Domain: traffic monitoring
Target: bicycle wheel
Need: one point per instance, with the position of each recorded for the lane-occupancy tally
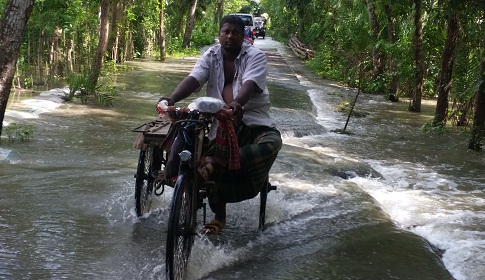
(181, 228)
(148, 162)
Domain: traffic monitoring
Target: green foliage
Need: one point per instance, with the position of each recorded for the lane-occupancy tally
(175, 49)
(200, 39)
(340, 34)
(104, 93)
(18, 132)
(431, 127)
(76, 83)
(338, 31)
(327, 64)
(345, 106)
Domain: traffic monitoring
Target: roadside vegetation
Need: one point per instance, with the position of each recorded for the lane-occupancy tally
(405, 49)
(19, 132)
(415, 49)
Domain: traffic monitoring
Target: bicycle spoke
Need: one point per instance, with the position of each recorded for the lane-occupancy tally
(181, 230)
(144, 180)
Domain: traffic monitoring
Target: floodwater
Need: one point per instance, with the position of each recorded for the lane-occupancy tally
(384, 202)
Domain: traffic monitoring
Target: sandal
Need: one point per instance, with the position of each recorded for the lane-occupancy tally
(205, 172)
(215, 227)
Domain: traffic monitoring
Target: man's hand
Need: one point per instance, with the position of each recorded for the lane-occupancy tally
(162, 110)
(237, 111)
(169, 101)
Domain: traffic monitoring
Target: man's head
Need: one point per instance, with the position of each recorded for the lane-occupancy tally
(233, 19)
(231, 33)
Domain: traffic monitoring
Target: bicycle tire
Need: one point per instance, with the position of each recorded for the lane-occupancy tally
(147, 164)
(181, 228)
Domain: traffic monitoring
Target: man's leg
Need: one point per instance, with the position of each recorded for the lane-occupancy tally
(219, 209)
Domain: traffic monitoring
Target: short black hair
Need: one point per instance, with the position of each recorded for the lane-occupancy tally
(233, 19)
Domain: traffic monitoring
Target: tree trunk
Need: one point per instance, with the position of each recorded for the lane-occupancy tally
(189, 27)
(415, 104)
(116, 23)
(54, 52)
(129, 49)
(219, 12)
(446, 71)
(478, 131)
(163, 50)
(15, 16)
(391, 34)
(70, 56)
(40, 67)
(102, 45)
(377, 55)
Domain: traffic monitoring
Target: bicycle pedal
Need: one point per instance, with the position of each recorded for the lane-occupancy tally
(208, 184)
(271, 187)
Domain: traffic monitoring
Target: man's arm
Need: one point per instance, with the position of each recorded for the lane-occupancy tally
(246, 91)
(184, 89)
(254, 78)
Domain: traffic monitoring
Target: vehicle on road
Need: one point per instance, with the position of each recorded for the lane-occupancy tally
(259, 27)
(249, 23)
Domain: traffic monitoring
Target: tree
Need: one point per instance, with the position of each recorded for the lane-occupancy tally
(219, 11)
(300, 7)
(415, 104)
(446, 71)
(391, 35)
(102, 45)
(478, 131)
(189, 27)
(116, 31)
(163, 50)
(14, 19)
(377, 55)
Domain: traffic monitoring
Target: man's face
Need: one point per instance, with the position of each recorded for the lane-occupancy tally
(231, 37)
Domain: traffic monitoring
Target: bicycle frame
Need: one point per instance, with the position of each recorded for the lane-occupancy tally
(190, 158)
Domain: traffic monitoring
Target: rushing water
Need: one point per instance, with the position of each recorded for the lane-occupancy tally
(67, 195)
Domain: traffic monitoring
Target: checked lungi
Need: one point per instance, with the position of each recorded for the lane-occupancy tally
(258, 148)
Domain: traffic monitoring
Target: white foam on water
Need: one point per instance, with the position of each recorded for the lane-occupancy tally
(4, 154)
(207, 257)
(430, 205)
(421, 199)
(327, 116)
(47, 101)
(31, 109)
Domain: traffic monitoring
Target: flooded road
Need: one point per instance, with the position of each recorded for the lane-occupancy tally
(67, 195)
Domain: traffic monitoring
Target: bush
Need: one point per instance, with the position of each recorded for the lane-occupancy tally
(19, 132)
(202, 39)
(77, 84)
(104, 92)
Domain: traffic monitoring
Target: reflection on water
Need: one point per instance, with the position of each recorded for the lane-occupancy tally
(67, 198)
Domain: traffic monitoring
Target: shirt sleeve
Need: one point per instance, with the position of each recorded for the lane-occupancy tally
(256, 69)
(201, 69)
